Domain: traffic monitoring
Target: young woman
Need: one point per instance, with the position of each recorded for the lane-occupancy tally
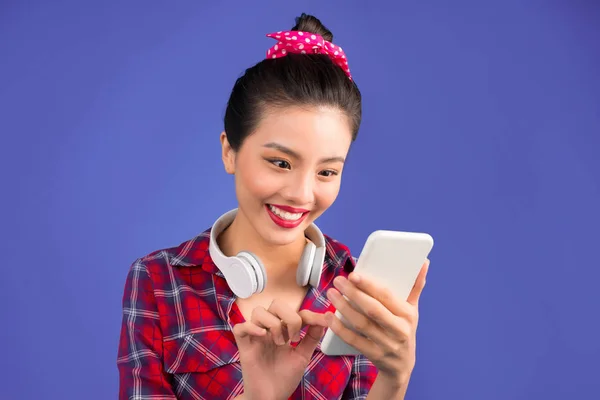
(239, 311)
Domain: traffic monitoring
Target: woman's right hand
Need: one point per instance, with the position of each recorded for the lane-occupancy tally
(271, 367)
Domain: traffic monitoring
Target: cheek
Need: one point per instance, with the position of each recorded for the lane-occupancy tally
(255, 183)
(327, 194)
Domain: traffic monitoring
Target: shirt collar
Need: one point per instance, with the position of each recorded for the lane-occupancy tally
(195, 253)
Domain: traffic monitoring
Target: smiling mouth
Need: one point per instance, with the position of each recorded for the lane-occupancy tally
(286, 217)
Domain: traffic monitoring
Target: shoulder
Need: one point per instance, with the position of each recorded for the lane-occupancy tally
(161, 263)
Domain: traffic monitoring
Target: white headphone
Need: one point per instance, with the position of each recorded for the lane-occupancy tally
(244, 272)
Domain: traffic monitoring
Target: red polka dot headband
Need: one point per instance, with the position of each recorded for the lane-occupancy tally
(307, 42)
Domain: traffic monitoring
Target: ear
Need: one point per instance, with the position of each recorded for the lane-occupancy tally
(228, 154)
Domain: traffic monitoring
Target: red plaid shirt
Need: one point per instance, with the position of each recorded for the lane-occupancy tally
(176, 335)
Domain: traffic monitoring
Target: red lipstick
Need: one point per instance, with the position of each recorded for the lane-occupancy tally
(284, 223)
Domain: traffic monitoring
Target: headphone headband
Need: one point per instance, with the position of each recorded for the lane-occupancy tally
(219, 226)
(245, 273)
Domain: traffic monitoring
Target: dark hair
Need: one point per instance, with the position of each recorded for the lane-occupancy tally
(296, 79)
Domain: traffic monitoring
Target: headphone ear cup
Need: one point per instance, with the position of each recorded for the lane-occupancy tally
(305, 266)
(317, 266)
(257, 270)
(240, 276)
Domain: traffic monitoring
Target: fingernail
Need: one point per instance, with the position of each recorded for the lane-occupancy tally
(333, 294)
(354, 277)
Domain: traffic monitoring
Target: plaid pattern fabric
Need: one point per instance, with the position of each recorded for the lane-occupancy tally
(176, 335)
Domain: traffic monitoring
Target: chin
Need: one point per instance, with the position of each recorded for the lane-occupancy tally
(275, 239)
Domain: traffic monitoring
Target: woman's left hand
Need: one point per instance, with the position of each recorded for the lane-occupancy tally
(388, 324)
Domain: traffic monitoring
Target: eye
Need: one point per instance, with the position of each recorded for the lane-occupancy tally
(280, 163)
(328, 173)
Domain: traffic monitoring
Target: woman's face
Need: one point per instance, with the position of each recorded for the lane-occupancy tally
(288, 171)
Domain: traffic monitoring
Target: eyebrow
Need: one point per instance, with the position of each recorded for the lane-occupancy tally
(292, 153)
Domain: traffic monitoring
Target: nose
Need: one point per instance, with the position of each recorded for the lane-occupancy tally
(301, 189)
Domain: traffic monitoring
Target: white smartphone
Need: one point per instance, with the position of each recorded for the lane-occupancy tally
(394, 260)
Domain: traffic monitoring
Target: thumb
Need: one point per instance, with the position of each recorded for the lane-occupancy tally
(312, 338)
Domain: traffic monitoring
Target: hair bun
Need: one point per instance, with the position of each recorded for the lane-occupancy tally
(309, 23)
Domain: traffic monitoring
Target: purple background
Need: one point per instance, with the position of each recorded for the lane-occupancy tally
(481, 127)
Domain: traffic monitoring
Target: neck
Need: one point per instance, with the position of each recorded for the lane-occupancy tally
(280, 261)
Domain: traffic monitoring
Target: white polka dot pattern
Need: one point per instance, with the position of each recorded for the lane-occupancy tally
(302, 42)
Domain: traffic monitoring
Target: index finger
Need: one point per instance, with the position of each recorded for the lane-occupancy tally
(415, 293)
(243, 330)
(313, 318)
(317, 324)
(291, 322)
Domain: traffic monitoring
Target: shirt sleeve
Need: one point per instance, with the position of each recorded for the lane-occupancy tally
(141, 375)
(361, 379)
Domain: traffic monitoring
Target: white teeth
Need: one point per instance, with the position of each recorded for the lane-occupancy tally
(284, 214)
